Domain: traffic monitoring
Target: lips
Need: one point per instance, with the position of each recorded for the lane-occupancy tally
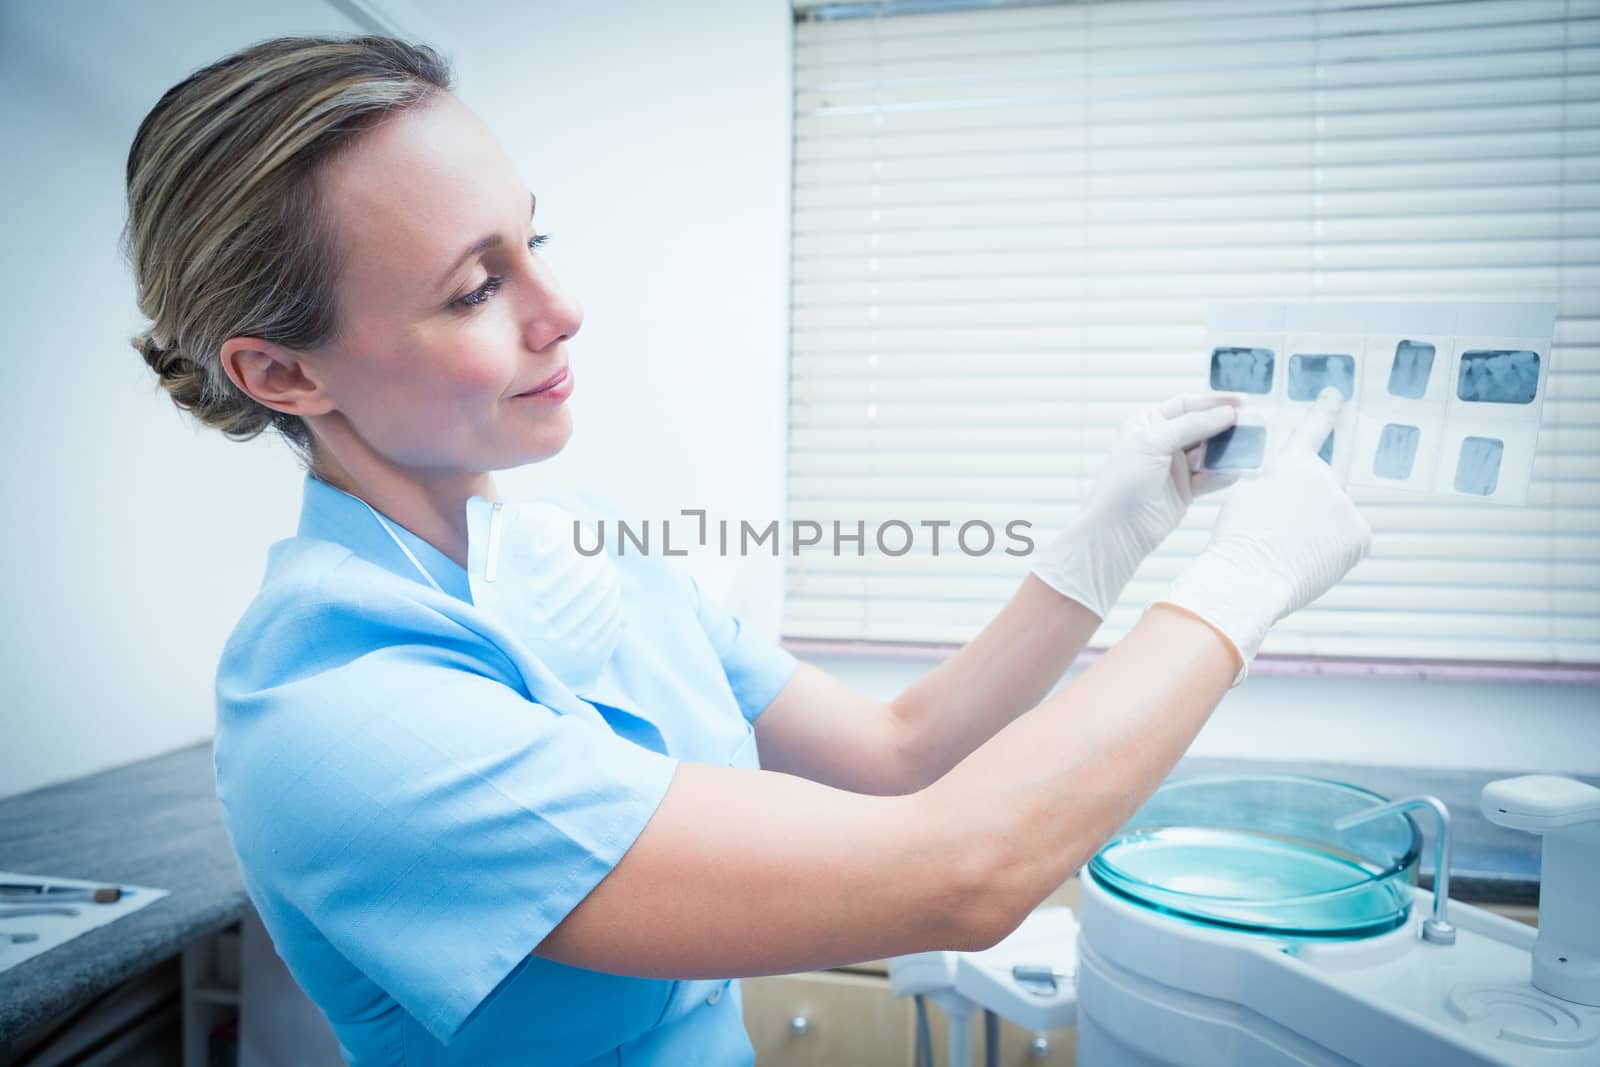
(549, 383)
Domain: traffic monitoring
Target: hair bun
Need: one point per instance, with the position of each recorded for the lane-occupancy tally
(148, 347)
(171, 364)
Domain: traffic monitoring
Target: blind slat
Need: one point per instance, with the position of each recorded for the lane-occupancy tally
(1545, 77)
(1100, 335)
(1467, 525)
(1276, 91)
(1310, 621)
(950, 160)
(1179, 17)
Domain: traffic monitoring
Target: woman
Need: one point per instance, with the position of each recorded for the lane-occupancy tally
(500, 804)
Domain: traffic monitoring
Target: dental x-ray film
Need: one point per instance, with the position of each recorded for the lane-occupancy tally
(1440, 398)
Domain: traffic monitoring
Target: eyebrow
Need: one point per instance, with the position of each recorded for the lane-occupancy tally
(483, 244)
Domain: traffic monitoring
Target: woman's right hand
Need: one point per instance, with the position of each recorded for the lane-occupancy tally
(1281, 540)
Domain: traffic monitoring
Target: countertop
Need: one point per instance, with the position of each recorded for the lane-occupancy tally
(157, 823)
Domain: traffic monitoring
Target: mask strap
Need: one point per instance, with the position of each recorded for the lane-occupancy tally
(403, 546)
(492, 553)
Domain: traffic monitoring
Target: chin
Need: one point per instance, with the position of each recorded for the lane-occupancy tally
(550, 439)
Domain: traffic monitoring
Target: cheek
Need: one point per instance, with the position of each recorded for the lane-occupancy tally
(470, 368)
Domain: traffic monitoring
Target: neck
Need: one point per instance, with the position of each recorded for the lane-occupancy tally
(431, 504)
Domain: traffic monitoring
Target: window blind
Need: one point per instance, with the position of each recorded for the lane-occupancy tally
(1009, 222)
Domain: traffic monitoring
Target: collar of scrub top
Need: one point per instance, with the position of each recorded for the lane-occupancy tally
(331, 514)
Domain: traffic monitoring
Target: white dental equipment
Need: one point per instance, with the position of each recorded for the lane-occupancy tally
(1151, 983)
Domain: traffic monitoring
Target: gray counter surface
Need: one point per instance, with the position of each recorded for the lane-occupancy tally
(155, 823)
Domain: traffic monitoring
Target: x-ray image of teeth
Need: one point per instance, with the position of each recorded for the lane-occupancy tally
(1242, 370)
(1309, 375)
(1237, 448)
(1498, 376)
(1397, 451)
(1438, 372)
(1413, 363)
(1478, 470)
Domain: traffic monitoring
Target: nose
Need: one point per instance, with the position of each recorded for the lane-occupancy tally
(551, 315)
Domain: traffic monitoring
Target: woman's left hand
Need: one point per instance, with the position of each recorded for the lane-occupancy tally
(1139, 497)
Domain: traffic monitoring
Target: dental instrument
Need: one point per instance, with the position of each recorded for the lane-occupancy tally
(43, 909)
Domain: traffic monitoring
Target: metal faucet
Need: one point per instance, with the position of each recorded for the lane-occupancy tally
(1437, 929)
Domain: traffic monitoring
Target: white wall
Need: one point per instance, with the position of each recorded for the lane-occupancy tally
(658, 146)
(656, 137)
(133, 541)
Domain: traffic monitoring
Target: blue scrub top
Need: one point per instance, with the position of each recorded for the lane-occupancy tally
(416, 800)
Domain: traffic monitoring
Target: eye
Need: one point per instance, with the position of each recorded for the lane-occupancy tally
(482, 293)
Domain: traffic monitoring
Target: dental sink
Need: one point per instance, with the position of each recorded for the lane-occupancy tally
(1262, 854)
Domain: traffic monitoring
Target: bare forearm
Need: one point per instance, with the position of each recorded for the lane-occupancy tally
(792, 876)
(1048, 789)
(1004, 671)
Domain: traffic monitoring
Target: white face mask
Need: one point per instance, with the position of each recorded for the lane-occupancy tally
(525, 571)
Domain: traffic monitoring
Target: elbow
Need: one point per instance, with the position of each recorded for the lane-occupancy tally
(986, 930)
(1001, 882)
(910, 767)
(996, 888)
(914, 757)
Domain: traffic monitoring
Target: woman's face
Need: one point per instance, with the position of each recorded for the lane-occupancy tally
(448, 319)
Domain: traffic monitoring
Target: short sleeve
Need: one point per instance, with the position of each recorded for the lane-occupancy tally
(429, 819)
(757, 668)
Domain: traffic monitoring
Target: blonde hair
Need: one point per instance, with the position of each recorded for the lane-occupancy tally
(224, 232)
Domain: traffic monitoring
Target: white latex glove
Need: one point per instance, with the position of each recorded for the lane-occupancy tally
(1138, 499)
(1281, 541)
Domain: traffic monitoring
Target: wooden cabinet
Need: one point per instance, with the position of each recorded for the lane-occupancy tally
(827, 1019)
(852, 1019)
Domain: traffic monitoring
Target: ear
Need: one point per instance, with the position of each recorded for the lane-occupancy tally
(277, 377)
